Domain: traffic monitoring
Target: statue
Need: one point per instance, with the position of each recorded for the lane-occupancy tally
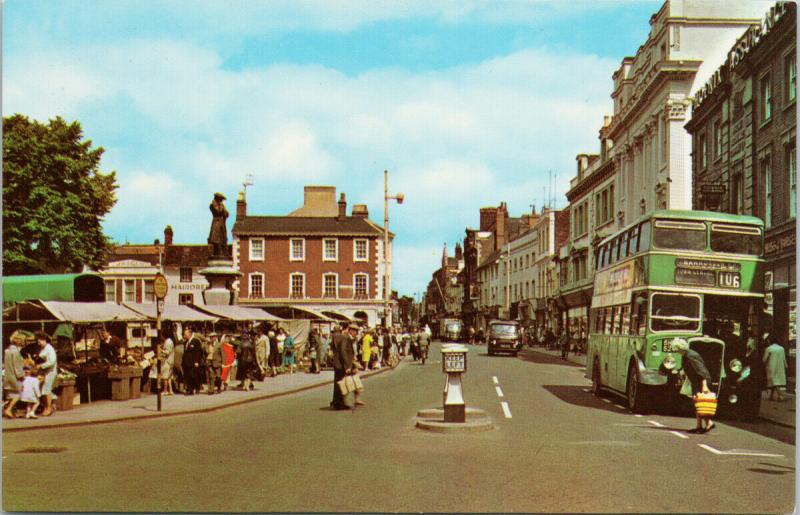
(218, 236)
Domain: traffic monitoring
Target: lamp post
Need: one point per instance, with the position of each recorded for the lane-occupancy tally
(387, 280)
(507, 261)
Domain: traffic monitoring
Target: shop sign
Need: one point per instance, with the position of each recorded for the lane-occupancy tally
(188, 286)
(754, 34)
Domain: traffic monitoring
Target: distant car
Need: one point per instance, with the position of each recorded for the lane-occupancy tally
(503, 336)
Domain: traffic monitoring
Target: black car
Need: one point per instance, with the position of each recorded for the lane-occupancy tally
(503, 336)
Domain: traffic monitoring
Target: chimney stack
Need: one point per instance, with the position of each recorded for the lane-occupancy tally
(342, 207)
(360, 211)
(241, 207)
(168, 235)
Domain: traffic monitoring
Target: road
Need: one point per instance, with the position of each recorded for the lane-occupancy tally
(556, 448)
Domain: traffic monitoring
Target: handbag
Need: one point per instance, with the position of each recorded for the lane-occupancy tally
(705, 404)
(358, 385)
(347, 385)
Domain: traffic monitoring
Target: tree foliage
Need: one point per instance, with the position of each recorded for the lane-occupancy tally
(54, 198)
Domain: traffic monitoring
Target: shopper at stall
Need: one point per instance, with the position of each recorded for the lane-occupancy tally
(110, 347)
(48, 368)
(289, 352)
(229, 357)
(246, 362)
(30, 392)
(262, 352)
(13, 372)
(167, 360)
(193, 362)
(315, 350)
(275, 359)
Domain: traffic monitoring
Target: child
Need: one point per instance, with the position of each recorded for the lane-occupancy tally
(30, 392)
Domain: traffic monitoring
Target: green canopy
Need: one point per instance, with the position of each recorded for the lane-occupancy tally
(63, 287)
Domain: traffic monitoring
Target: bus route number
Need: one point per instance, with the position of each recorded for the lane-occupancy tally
(729, 280)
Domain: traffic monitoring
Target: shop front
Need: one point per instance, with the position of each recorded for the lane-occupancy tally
(780, 288)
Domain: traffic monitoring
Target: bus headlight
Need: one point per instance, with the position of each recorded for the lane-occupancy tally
(669, 362)
(733, 399)
(735, 365)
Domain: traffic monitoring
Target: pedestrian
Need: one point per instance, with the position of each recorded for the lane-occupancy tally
(775, 362)
(246, 359)
(366, 349)
(177, 363)
(214, 362)
(564, 343)
(471, 333)
(424, 340)
(193, 361)
(167, 360)
(342, 347)
(30, 391)
(13, 372)
(275, 359)
(315, 350)
(48, 367)
(289, 352)
(262, 352)
(229, 357)
(698, 376)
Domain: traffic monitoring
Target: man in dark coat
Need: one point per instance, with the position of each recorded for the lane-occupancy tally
(193, 361)
(342, 346)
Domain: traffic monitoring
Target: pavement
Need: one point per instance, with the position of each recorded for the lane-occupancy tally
(145, 407)
(780, 413)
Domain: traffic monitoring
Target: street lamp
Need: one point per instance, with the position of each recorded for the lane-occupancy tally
(387, 280)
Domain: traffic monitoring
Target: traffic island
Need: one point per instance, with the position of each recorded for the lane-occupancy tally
(434, 420)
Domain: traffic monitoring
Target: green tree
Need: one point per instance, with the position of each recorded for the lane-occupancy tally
(54, 198)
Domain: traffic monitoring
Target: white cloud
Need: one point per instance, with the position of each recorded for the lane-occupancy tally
(453, 139)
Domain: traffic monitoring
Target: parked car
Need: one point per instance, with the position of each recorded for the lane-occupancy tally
(503, 336)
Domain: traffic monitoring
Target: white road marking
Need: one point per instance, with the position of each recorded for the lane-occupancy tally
(738, 452)
(638, 415)
(586, 390)
(680, 435)
(607, 401)
(494, 378)
(499, 391)
(506, 410)
(656, 423)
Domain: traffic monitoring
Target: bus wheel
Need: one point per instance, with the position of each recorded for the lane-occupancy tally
(596, 387)
(635, 392)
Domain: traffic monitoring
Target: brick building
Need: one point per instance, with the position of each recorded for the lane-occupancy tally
(744, 150)
(315, 257)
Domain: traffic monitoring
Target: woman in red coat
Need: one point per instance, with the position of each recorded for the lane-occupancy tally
(230, 355)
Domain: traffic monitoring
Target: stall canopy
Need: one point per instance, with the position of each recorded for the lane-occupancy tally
(297, 313)
(336, 315)
(172, 312)
(73, 312)
(238, 313)
(60, 287)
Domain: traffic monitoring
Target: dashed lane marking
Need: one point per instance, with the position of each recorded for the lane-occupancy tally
(680, 435)
(657, 424)
(738, 452)
(506, 410)
(607, 401)
(638, 415)
(499, 391)
(494, 379)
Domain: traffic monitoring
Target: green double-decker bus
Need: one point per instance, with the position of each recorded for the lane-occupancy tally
(696, 275)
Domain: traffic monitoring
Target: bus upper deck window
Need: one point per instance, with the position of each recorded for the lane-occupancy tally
(736, 239)
(679, 235)
(623, 245)
(633, 240)
(644, 236)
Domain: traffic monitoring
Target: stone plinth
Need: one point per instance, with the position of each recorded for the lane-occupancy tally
(220, 275)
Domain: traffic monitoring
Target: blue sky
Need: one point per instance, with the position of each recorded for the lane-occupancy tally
(466, 103)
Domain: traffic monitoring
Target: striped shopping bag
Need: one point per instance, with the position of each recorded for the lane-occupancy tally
(705, 404)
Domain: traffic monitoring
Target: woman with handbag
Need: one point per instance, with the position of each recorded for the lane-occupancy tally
(698, 376)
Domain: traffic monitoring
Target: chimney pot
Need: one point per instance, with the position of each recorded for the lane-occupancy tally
(241, 207)
(342, 207)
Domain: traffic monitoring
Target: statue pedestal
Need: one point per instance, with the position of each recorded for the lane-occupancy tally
(220, 275)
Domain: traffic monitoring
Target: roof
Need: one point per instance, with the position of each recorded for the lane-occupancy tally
(75, 312)
(338, 315)
(148, 253)
(297, 225)
(239, 313)
(173, 312)
(186, 255)
(63, 287)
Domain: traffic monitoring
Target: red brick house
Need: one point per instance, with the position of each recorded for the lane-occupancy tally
(315, 257)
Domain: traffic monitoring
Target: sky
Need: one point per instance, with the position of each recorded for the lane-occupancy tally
(467, 103)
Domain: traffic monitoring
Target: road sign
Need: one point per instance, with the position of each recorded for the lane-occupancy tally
(160, 286)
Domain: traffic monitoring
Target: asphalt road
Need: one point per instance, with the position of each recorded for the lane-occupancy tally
(556, 448)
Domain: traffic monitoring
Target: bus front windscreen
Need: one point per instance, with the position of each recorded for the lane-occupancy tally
(504, 329)
(676, 235)
(736, 239)
(675, 312)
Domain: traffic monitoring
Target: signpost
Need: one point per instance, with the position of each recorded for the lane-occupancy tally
(454, 363)
(160, 288)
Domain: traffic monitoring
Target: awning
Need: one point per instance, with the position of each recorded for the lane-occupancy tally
(74, 312)
(297, 313)
(336, 315)
(86, 287)
(238, 313)
(172, 312)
